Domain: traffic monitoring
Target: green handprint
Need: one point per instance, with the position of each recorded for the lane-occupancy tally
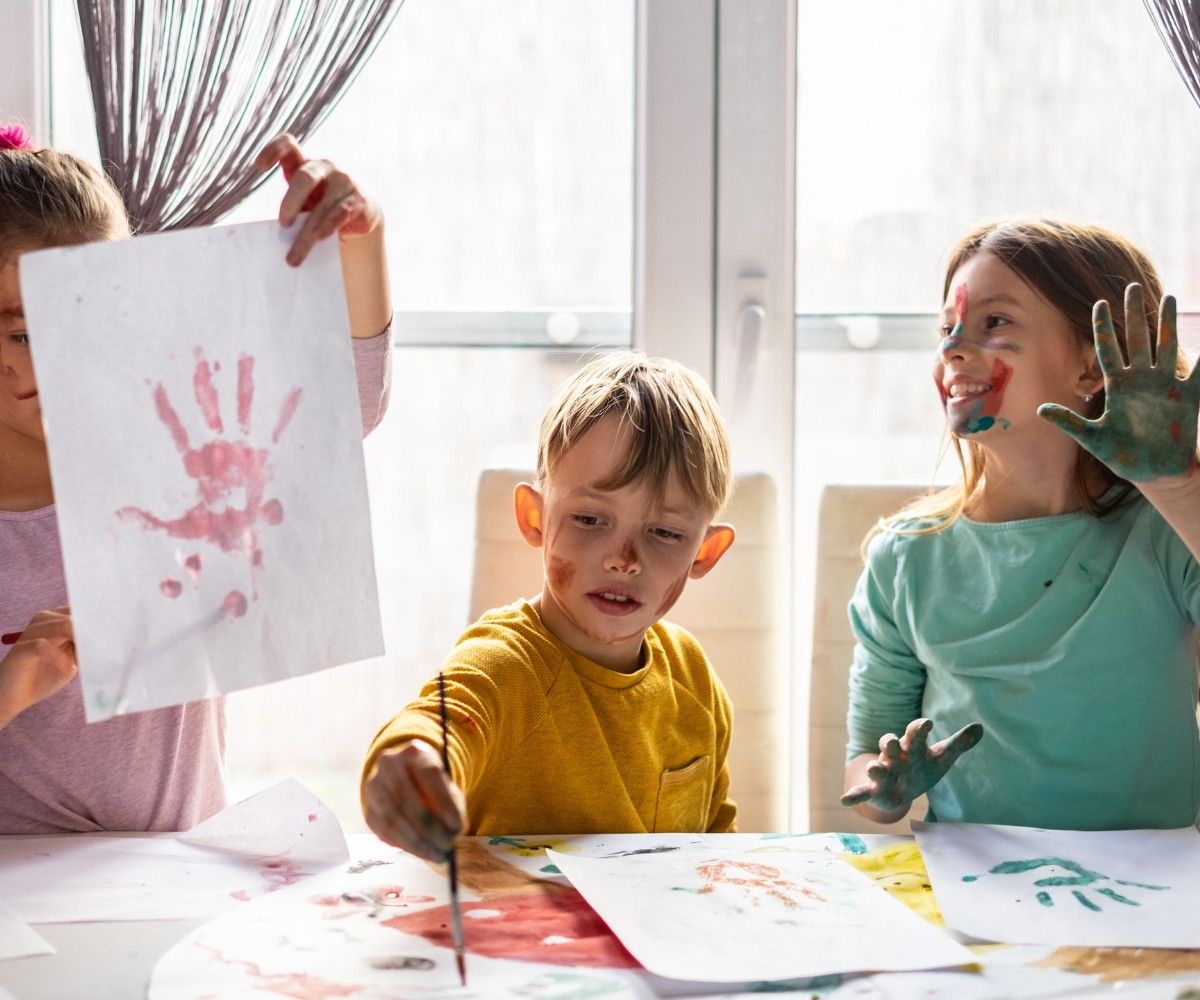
(1080, 877)
(1148, 428)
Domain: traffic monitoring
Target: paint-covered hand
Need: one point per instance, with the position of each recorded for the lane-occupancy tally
(409, 802)
(40, 661)
(908, 767)
(1148, 429)
(332, 198)
(1070, 880)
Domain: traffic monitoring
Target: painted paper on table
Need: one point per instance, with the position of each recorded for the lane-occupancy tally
(266, 843)
(1118, 888)
(202, 417)
(17, 939)
(721, 916)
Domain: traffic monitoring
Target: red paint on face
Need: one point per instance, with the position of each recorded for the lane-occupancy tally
(1001, 373)
(171, 588)
(561, 572)
(671, 596)
(628, 557)
(520, 929)
(960, 304)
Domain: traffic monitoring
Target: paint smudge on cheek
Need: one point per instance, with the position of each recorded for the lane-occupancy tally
(555, 927)
(560, 572)
(1001, 373)
(671, 596)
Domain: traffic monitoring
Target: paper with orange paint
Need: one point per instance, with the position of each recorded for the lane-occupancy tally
(204, 430)
(723, 917)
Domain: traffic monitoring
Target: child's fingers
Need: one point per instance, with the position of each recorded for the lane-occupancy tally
(1168, 341)
(434, 790)
(856, 795)
(1071, 423)
(1108, 351)
(304, 186)
(889, 747)
(916, 737)
(282, 150)
(953, 747)
(391, 826)
(1137, 335)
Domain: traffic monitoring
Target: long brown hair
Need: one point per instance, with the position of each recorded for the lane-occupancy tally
(1072, 265)
(48, 198)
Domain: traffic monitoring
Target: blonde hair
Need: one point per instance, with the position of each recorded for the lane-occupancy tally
(1072, 265)
(48, 198)
(677, 425)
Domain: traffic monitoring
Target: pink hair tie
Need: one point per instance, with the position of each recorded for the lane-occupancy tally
(14, 136)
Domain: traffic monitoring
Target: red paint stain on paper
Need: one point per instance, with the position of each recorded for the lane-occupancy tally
(519, 926)
(171, 588)
(234, 605)
(297, 985)
(278, 872)
(222, 471)
(755, 877)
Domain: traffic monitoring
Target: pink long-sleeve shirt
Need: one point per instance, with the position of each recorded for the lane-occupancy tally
(156, 770)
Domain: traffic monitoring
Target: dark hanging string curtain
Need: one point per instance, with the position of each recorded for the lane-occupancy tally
(186, 92)
(1178, 24)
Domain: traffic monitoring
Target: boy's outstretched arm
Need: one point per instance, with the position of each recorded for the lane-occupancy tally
(883, 787)
(409, 802)
(335, 204)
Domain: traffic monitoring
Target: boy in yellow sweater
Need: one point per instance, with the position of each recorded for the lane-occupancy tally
(580, 711)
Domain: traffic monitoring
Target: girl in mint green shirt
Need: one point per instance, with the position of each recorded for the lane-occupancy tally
(1043, 609)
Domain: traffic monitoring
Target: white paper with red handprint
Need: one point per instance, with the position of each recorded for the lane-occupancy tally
(202, 416)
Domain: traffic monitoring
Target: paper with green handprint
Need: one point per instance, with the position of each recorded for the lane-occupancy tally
(1148, 429)
(1112, 888)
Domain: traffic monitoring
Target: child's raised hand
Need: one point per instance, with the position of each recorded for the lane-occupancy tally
(908, 767)
(409, 802)
(1148, 429)
(331, 197)
(40, 663)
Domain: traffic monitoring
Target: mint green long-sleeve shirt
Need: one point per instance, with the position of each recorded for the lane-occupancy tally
(1070, 638)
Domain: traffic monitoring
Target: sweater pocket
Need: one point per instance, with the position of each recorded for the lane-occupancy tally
(683, 795)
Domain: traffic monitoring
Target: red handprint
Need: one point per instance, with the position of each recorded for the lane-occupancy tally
(220, 469)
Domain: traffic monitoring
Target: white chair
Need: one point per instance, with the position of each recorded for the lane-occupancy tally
(847, 513)
(734, 612)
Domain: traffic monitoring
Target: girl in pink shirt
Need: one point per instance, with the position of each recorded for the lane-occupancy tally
(161, 769)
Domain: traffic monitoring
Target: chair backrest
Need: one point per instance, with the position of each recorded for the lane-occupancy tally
(847, 512)
(734, 612)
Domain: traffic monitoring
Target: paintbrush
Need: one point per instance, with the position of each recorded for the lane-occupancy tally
(455, 913)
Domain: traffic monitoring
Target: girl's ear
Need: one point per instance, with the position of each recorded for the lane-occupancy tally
(527, 504)
(1091, 381)
(716, 543)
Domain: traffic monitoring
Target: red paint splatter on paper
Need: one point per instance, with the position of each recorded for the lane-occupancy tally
(278, 872)
(171, 588)
(555, 927)
(221, 469)
(297, 985)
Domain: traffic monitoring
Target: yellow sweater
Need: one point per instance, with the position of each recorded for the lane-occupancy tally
(543, 740)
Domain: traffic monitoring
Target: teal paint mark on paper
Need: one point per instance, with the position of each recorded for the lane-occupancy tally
(1083, 900)
(550, 870)
(1044, 899)
(970, 878)
(1113, 894)
(1141, 885)
(852, 843)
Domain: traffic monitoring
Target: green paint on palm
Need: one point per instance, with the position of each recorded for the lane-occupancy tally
(1148, 429)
